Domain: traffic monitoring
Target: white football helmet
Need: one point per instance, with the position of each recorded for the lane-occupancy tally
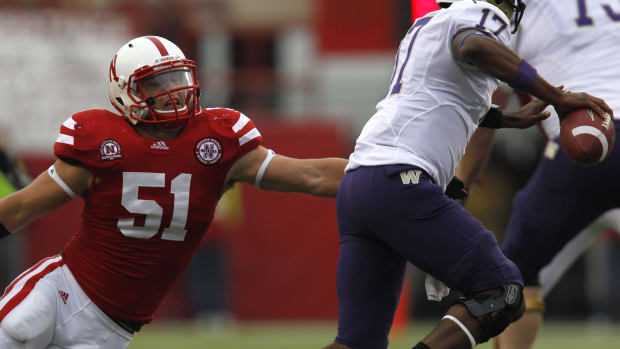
(509, 7)
(152, 81)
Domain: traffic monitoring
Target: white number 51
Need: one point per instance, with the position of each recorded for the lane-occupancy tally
(132, 181)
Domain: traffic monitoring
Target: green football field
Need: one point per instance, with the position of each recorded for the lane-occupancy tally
(315, 335)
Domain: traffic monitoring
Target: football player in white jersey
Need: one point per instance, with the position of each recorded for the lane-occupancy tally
(572, 42)
(391, 202)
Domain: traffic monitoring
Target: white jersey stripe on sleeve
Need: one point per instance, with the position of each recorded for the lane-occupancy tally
(243, 120)
(253, 133)
(69, 123)
(66, 139)
(22, 286)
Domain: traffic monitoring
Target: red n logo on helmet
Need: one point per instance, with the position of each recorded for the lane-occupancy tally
(113, 69)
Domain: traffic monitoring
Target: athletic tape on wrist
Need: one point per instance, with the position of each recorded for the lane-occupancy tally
(460, 324)
(54, 174)
(524, 78)
(263, 167)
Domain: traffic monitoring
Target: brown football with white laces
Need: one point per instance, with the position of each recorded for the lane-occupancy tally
(586, 138)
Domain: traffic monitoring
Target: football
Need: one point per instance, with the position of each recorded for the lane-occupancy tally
(585, 138)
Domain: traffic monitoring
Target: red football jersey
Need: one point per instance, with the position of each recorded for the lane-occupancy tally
(150, 205)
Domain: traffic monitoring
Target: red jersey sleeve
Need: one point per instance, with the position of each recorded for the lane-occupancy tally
(237, 130)
(81, 137)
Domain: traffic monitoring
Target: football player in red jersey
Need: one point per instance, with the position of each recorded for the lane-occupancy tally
(150, 179)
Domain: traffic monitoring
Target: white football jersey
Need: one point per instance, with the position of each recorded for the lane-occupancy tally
(434, 102)
(575, 43)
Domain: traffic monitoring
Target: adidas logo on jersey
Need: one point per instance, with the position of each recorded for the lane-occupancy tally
(160, 145)
(63, 295)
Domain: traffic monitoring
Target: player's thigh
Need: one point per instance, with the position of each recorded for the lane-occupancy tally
(41, 342)
(558, 202)
(91, 326)
(82, 323)
(439, 236)
(28, 308)
(8, 342)
(369, 280)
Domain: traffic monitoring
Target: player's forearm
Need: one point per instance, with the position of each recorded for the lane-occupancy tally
(496, 59)
(318, 177)
(37, 199)
(13, 212)
(476, 155)
(328, 174)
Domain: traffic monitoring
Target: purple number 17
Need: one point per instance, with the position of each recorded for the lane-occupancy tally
(399, 80)
(496, 18)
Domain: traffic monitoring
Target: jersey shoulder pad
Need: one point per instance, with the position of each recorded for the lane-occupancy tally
(83, 133)
(233, 125)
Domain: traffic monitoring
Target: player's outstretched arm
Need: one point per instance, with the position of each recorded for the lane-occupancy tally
(318, 177)
(43, 195)
(496, 59)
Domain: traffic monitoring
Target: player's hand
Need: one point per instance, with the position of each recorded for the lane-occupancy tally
(529, 115)
(569, 101)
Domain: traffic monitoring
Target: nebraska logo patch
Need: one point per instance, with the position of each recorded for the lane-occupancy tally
(208, 151)
(110, 150)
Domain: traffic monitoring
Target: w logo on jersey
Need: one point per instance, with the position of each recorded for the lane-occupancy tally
(410, 176)
(208, 151)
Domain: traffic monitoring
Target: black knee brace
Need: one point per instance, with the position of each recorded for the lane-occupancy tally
(495, 313)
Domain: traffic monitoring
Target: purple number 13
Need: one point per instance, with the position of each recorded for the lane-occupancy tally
(584, 19)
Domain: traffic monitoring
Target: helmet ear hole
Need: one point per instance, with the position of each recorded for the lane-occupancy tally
(122, 82)
(120, 101)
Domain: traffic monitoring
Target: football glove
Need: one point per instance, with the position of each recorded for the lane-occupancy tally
(456, 190)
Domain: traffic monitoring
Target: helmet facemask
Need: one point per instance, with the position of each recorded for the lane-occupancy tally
(165, 94)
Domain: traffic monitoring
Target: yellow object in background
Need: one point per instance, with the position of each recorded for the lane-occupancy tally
(6, 187)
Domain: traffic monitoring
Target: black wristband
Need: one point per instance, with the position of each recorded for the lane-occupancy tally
(3, 231)
(456, 190)
(493, 119)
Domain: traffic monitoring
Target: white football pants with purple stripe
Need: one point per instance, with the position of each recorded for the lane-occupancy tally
(46, 308)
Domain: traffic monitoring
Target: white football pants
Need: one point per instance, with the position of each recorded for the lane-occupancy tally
(45, 308)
